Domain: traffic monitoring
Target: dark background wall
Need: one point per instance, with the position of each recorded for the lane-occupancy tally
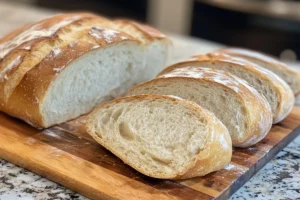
(270, 34)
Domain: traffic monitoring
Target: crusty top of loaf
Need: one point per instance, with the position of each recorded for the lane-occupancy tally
(43, 29)
(254, 55)
(33, 52)
(247, 64)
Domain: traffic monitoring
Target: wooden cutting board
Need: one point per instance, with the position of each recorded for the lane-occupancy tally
(68, 155)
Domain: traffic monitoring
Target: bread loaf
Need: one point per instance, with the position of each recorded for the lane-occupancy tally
(246, 114)
(277, 92)
(162, 136)
(289, 75)
(62, 67)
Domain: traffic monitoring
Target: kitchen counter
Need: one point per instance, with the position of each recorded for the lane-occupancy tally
(279, 179)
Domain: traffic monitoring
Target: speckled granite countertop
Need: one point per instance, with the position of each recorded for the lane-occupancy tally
(279, 179)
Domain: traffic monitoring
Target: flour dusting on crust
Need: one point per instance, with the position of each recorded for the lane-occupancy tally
(34, 32)
(107, 35)
(9, 67)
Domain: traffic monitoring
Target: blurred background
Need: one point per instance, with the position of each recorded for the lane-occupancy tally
(271, 26)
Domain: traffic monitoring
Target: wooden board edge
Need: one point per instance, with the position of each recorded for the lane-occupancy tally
(244, 178)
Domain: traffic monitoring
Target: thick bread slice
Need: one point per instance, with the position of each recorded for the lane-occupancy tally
(162, 136)
(289, 75)
(277, 92)
(63, 66)
(246, 114)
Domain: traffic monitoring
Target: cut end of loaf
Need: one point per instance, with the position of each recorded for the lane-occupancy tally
(159, 136)
(97, 76)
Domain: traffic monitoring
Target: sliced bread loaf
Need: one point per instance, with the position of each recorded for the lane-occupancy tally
(162, 136)
(289, 75)
(245, 113)
(277, 92)
(62, 67)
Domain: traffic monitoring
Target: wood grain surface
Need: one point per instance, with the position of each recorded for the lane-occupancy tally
(67, 155)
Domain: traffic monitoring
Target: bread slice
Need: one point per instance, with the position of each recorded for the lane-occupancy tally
(162, 136)
(289, 75)
(245, 113)
(62, 67)
(277, 92)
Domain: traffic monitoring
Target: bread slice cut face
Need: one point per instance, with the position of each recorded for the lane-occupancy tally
(245, 113)
(276, 91)
(162, 136)
(292, 77)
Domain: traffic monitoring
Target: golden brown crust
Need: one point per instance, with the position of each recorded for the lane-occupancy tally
(24, 45)
(216, 154)
(258, 111)
(30, 93)
(218, 144)
(35, 55)
(49, 26)
(14, 33)
(247, 53)
(283, 91)
(292, 78)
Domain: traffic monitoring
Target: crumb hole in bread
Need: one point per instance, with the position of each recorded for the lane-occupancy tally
(203, 120)
(259, 82)
(115, 115)
(160, 161)
(170, 147)
(126, 132)
(223, 98)
(99, 135)
(198, 151)
(246, 125)
(188, 114)
(105, 119)
(243, 111)
(142, 151)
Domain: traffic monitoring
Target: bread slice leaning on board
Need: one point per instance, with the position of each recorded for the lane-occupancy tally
(245, 113)
(162, 136)
(289, 75)
(62, 67)
(277, 92)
